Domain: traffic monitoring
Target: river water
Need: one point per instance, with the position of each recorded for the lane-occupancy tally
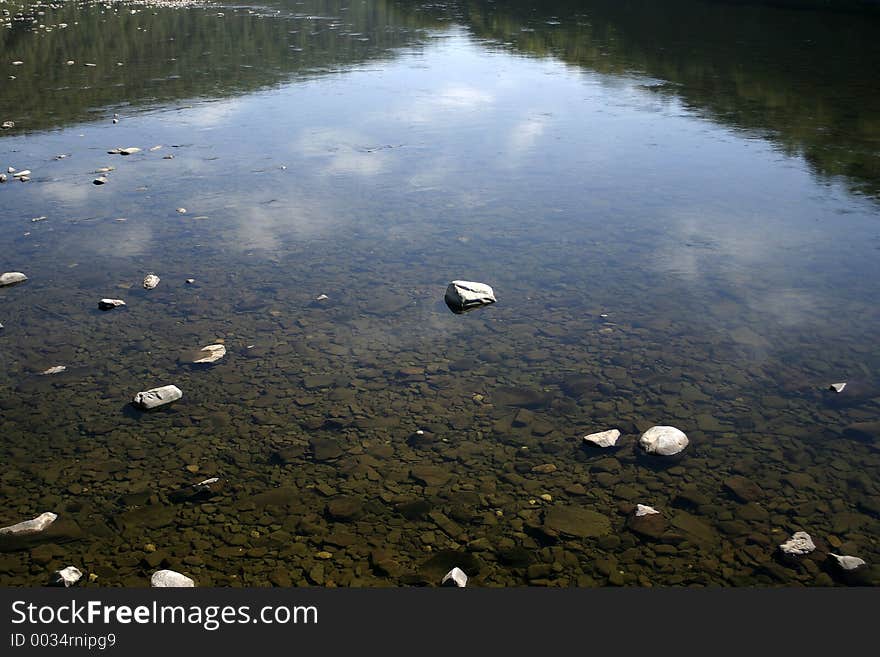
(675, 203)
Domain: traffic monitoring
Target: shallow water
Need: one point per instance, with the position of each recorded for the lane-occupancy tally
(677, 210)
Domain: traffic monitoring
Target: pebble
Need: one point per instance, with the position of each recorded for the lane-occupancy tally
(110, 304)
(190, 281)
(151, 281)
(455, 577)
(799, 544)
(837, 387)
(603, 438)
(462, 296)
(181, 210)
(100, 180)
(156, 397)
(3, 178)
(644, 510)
(12, 278)
(212, 353)
(663, 441)
(28, 527)
(170, 579)
(66, 576)
(847, 563)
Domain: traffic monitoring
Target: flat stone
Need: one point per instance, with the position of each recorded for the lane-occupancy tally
(210, 354)
(325, 449)
(544, 468)
(156, 397)
(170, 579)
(344, 508)
(464, 296)
(57, 369)
(110, 304)
(11, 278)
(575, 521)
(34, 526)
(663, 441)
(430, 475)
(743, 489)
(603, 438)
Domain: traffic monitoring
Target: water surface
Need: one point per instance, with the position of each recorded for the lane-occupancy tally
(677, 207)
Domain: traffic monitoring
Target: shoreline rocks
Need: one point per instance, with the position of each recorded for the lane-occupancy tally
(663, 441)
(28, 527)
(156, 397)
(11, 278)
(463, 296)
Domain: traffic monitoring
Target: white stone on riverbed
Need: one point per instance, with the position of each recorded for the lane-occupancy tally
(663, 441)
(67, 576)
(157, 397)
(799, 544)
(837, 387)
(644, 510)
(603, 438)
(110, 304)
(12, 278)
(211, 354)
(455, 577)
(170, 579)
(34, 526)
(58, 369)
(151, 281)
(847, 563)
(462, 296)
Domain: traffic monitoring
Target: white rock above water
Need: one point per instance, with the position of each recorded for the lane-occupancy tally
(170, 579)
(603, 438)
(35, 526)
(12, 278)
(837, 387)
(462, 296)
(847, 563)
(67, 576)
(151, 281)
(157, 397)
(663, 441)
(58, 369)
(110, 304)
(644, 510)
(455, 577)
(799, 544)
(211, 354)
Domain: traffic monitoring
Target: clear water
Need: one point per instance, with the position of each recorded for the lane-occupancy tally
(677, 208)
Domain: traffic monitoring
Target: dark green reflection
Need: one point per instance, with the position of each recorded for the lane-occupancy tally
(157, 55)
(805, 79)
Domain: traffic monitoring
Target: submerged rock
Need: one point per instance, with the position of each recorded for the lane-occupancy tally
(799, 544)
(66, 576)
(210, 354)
(110, 304)
(157, 397)
(603, 438)
(170, 579)
(663, 441)
(462, 296)
(847, 563)
(455, 577)
(197, 492)
(35, 526)
(11, 278)
(647, 522)
(576, 521)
